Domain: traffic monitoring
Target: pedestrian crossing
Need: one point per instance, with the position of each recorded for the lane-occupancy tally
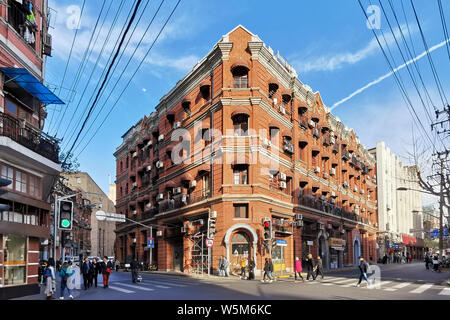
(385, 285)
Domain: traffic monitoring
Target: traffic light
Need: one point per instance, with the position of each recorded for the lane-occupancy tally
(267, 224)
(65, 215)
(4, 183)
(212, 225)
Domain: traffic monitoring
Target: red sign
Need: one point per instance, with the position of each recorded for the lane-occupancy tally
(408, 240)
(209, 243)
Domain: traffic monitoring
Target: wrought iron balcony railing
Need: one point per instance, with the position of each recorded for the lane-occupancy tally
(32, 139)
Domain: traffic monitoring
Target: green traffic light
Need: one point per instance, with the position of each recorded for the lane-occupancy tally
(65, 223)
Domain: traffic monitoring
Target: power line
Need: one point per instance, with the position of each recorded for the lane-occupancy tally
(123, 71)
(106, 77)
(82, 64)
(137, 69)
(444, 26)
(68, 60)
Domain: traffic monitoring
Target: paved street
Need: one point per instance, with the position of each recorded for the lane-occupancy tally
(406, 282)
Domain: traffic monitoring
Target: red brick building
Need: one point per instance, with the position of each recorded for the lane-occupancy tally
(241, 139)
(28, 158)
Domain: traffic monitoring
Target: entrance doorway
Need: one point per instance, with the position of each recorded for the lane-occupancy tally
(356, 251)
(240, 249)
(177, 252)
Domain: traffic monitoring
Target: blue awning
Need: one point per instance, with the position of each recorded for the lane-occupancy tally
(32, 85)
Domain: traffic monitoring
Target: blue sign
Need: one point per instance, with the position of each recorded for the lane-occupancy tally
(434, 234)
(281, 243)
(150, 243)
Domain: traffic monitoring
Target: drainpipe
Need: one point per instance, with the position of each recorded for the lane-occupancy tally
(212, 161)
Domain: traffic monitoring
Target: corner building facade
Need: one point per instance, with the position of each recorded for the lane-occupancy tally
(256, 143)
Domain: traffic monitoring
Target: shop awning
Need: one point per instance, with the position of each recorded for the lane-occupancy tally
(408, 240)
(32, 85)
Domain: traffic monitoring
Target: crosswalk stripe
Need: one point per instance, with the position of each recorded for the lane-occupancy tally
(120, 289)
(344, 281)
(168, 283)
(422, 288)
(161, 287)
(135, 286)
(445, 292)
(402, 285)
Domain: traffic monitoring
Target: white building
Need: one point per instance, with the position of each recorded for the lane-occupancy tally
(399, 211)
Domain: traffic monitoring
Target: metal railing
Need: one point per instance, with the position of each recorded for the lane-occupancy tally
(32, 139)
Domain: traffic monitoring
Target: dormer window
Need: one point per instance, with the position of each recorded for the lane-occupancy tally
(240, 124)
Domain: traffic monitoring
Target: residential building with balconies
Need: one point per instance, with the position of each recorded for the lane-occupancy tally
(240, 139)
(28, 157)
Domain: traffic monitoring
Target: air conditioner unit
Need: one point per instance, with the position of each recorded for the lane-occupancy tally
(134, 154)
(193, 183)
(148, 168)
(332, 171)
(355, 189)
(345, 184)
(312, 124)
(177, 125)
(342, 231)
(134, 212)
(134, 240)
(213, 215)
(161, 137)
(299, 223)
(134, 184)
(184, 198)
(332, 140)
(275, 100)
(322, 197)
(325, 175)
(177, 190)
(282, 176)
(333, 201)
(282, 185)
(148, 205)
(159, 164)
(159, 233)
(362, 191)
(183, 229)
(299, 216)
(363, 210)
(317, 169)
(333, 194)
(47, 45)
(160, 196)
(321, 226)
(329, 226)
(282, 110)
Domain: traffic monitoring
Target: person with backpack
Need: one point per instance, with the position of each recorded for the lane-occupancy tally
(298, 269)
(65, 274)
(363, 267)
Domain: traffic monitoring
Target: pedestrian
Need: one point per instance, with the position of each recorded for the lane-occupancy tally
(435, 263)
(271, 271)
(41, 273)
(363, 266)
(106, 271)
(319, 267)
(134, 270)
(65, 274)
(225, 266)
(266, 270)
(86, 271)
(385, 258)
(244, 263)
(251, 269)
(298, 269)
(96, 270)
(310, 267)
(221, 271)
(410, 258)
(49, 278)
(117, 265)
(427, 262)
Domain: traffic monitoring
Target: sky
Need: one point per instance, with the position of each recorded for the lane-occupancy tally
(329, 43)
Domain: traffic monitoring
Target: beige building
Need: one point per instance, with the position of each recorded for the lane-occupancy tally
(112, 193)
(102, 233)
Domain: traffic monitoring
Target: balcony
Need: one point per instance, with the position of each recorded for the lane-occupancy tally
(303, 123)
(180, 201)
(282, 226)
(32, 139)
(345, 155)
(288, 147)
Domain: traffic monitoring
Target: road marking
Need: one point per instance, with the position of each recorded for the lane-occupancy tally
(344, 281)
(135, 286)
(161, 287)
(120, 289)
(402, 285)
(445, 292)
(422, 288)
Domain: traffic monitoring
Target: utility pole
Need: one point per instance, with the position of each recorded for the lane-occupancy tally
(441, 211)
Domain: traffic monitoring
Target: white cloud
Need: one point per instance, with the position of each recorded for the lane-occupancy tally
(339, 60)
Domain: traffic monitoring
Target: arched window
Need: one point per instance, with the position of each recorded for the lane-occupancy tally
(240, 76)
(240, 124)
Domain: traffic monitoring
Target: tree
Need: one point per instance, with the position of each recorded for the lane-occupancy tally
(70, 165)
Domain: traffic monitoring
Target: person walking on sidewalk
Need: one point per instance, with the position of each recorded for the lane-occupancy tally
(86, 271)
(96, 271)
(266, 270)
(363, 266)
(134, 270)
(221, 268)
(251, 269)
(319, 267)
(49, 276)
(310, 267)
(243, 266)
(65, 274)
(106, 271)
(298, 269)
(273, 278)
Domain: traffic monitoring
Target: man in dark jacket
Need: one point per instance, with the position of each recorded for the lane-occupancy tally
(106, 266)
(363, 267)
(310, 267)
(266, 270)
(319, 267)
(87, 270)
(134, 270)
(251, 271)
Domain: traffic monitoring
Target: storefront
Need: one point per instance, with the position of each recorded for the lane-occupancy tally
(337, 247)
(14, 260)
(278, 256)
